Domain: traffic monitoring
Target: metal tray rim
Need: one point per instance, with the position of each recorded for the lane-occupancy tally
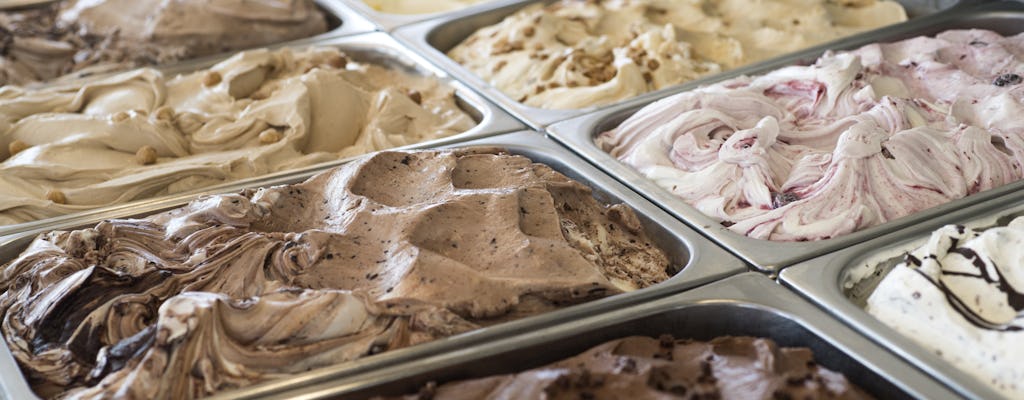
(707, 263)
(389, 21)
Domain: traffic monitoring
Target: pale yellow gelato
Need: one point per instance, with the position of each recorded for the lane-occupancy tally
(140, 134)
(575, 54)
(419, 6)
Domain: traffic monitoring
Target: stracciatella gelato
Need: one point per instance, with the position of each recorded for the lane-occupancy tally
(855, 140)
(419, 6)
(394, 249)
(140, 134)
(727, 367)
(575, 54)
(961, 296)
(90, 36)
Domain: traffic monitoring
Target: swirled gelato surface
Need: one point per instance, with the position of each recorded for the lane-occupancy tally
(392, 250)
(728, 367)
(576, 54)
(961, 296)
(853, 141)
(90, 36)
(141, 134)
(419, 6)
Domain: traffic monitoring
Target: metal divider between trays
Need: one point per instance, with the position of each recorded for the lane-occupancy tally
(700, 262)
(768, 256)
(389, 21)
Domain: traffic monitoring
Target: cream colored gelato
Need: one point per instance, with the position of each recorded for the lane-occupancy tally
(419, 6)
(88, 36)
(961, 296)
(576, 54)
(140, 134)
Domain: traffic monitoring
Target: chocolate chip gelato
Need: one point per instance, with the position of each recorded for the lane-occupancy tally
(646, 368)
(393, 250)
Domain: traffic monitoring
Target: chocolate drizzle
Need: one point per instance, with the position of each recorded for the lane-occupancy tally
(1014, 298)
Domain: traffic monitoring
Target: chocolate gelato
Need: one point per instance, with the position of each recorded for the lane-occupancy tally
(645, 368)
(393, 250)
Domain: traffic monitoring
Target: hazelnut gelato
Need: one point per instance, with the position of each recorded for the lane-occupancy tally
(91, 36)
(141, 134)
(392, 250)
(575, 54)
(640, 367)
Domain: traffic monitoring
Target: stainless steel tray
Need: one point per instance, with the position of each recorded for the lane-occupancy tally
(388, 21)
(700, 261)
(747, 304)
(435, 37)
(841, 282)
(578, 134)
(377, 48)
(343, 20)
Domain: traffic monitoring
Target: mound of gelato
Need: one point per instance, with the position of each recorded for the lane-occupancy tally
(638, 367)
(961, 296)
(91, 36)
(140, 134)
(392, 250)
(855, 140)
(576, 54)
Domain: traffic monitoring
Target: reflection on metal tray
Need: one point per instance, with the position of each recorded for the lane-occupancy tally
(747, 304)
(698, 260)
(388, 21)
(842, 281)
(435, 37)
(578, 134)
(377, 48)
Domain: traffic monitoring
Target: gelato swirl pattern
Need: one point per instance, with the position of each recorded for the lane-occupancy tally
(639, 367)
(139, 134)
(392, 250)
(853, 141)
(90, 36)
(961, 296)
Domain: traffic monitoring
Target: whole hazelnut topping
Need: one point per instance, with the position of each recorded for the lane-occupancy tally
(211, 78)
(56, 196)
(270, 136)
(146, 155)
